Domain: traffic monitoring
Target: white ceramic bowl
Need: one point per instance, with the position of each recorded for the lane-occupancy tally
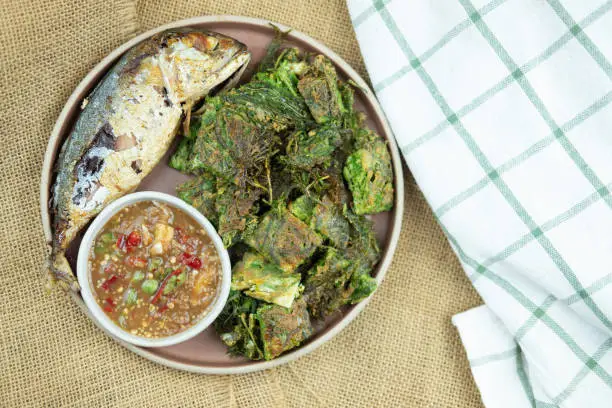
(84, 275)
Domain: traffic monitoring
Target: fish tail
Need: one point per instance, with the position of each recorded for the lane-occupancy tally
(59, 273)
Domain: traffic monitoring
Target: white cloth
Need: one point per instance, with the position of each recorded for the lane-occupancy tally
(502, 111)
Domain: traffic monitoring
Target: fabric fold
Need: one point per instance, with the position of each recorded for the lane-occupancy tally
(495, 359)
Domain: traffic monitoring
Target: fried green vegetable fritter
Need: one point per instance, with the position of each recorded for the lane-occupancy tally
(236, 208)
(325, 217)
(320, 90)
(303, 208)
(368, 169)
(325, 284)
(333, 185)
(315, 147)
(238, 328)
(369, 175)
(229, 208)
(284, 239)
(181, 159)
(285, 168)
(328, 220)
(257, 330)
(343, 276)
(287, 70)
(364, 252)
(233, 146)
(201, 192)
(361, 286)
(363, 240)
(263, 280)
(185, 159)
(267, 63)
(269, 103)
(283, 329)
(336, 280)
(236, 131)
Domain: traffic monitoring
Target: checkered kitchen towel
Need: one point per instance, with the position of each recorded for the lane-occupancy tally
(502, 111)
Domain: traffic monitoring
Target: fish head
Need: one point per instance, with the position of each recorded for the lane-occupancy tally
(194, 63)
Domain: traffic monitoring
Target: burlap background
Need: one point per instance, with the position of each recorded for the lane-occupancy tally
(401, 352)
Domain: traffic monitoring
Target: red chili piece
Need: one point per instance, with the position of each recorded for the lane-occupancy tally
(185, 258)
(191, 260)
(134, 239)
(160, 290)
(109, 281)
(110, 305)
(196, 263)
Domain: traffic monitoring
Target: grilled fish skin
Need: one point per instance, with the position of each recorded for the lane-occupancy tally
(128, 123)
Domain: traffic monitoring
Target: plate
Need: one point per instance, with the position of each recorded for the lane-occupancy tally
(206, 353)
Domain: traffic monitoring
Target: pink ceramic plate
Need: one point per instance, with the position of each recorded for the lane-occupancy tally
(206, 353)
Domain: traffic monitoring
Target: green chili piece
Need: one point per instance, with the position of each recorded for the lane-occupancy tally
(155, 263)
(170, 285)
(138, 276)
(149, 286)
(181, 278)
(131, 297)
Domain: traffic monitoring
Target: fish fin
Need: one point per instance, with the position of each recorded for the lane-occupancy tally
(59, 273)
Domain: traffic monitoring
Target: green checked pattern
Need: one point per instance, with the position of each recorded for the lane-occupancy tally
(547, 226)
(542, 404)
(509, 79)
(431, 51)
(528, 153)
(502, 112)
(513, 352)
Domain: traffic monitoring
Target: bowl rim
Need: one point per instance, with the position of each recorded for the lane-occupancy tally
(84, 272)
(56, 139)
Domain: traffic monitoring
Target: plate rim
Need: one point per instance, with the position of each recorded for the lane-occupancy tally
(55, 140)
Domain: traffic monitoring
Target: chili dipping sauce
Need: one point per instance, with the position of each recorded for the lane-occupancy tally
(154, 270)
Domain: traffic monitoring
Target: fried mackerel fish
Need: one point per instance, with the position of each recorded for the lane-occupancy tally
(129, 121)
(286, 169)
